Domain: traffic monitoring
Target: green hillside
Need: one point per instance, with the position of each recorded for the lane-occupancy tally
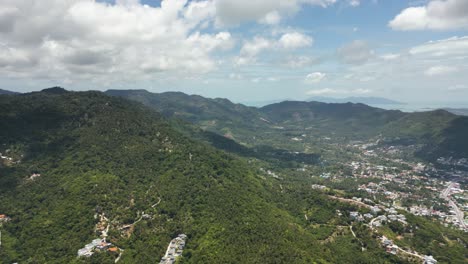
(440, 132)
(97, 154)
(353, 120)
(217, 115)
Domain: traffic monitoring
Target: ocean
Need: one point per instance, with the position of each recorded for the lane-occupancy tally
(423, 106)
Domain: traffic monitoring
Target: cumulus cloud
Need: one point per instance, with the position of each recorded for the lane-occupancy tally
(456, 46)
(315, 77)
(354, 3)
(255, 46)
(436, 15)
(85, 38)
(230, 12)
(288, 41)
(440, 70)
(295, 40)
(299, 61)
(357, 52)
(322, 91)
(390, 56)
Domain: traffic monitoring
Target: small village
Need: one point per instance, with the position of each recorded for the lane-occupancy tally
(100, 244)
(386, 187)
(418, 188)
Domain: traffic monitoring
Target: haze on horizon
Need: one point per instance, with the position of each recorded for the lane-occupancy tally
(242, 50)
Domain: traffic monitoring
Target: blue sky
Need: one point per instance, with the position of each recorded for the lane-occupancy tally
(242, 50)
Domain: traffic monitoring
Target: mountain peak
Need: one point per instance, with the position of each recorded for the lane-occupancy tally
(55, 90)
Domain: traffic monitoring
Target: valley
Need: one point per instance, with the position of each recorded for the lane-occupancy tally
(233, 132)
(232, 178)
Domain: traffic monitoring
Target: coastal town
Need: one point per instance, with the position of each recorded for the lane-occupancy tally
(389, 181)
(388, 184)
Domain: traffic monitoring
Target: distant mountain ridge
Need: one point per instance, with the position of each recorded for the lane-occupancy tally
(458, 111)
(441, 131)
(7, 92)
(362, 100)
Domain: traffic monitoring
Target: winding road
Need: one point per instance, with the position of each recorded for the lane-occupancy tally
(459, 214)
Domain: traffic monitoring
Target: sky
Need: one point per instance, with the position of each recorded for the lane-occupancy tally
(244, 50)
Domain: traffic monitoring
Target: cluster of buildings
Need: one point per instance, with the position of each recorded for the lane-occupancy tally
(5, 157)
(391, 248)
(318, 187)
(411, 183)
(388, 245)
(356, 216)
(97, 245)
(4, 218)
(174, 250)
(453, 162)
(34, 176)
(389, 215)
(270, 173)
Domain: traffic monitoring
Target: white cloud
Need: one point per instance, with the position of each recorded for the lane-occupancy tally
(84, 39)
(322, 91)
(127, 2)
(357, 52)
(354, 3)
(315, 77)
(271, 18)
(236, 76)
(361, 91)
(299, 61)
(390, 56)
(200, 11)
(458, 88)
(229, 12)
(254, 47)
(295, 40)
(440, 70)
(436, 15)
(456, 46)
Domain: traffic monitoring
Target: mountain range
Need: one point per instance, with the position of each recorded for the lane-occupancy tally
(440, 132)
(147, 167)
(362, 100)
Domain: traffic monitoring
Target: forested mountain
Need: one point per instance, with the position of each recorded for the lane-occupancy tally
(356, 120)
(441, 132)
(220, 115)
(75, 157)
